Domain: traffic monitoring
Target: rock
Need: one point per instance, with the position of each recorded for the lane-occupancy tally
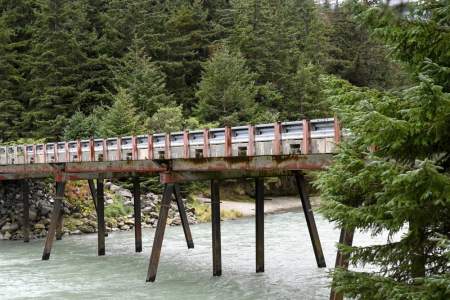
(75, 232)
(128, 203)
(147, 209)
(39, 226)
(7, 236)
(129, 221)
(87, 229)
(125, 227)
(124, 193)
(109, 201)
(108, 185)
(76, 215)
(10, 227)
(114, 188)
(45, 210)
(169, 221)
(154, 214)
(33, 215)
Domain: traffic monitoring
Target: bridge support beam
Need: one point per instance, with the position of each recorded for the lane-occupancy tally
(259, 213)
(26, 211)
(93, 190)
(101, 216)
(57, 207)
(137, 215)
(159, 234)
(59, 227)
(215, 222)
(183, 217)
(309, 216)
(345, 238)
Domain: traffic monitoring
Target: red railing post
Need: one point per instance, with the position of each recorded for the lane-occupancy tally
(150, 146)
(206, 142)
(79, 153)
(55, 150)
(134, 150)
(228, 149)
(337, 131)
(167, 153)
(119, 149)
(306, 137)
(105, 150)
(66, 152)
(277, 139)
(186, 144)
(251, 141)
(91, 150)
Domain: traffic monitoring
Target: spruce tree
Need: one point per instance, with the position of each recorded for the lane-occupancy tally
(402, 185)
(144, 81)
(227, 90)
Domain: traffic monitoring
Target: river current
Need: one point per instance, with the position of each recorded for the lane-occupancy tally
(75, 272)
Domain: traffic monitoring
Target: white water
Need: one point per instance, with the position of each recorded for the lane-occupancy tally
(75, 272)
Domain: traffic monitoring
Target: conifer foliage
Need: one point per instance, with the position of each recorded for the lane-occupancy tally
(402, 185)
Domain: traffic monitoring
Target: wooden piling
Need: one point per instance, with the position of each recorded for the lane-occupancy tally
(183, 217)
(346, 238)
(215, 221)
(93, 190)
(309, 216)
(60, 225)
(57, 206)
(101, 216)
(137, 215)
(26, 211)
(259, 213)
(159, 234)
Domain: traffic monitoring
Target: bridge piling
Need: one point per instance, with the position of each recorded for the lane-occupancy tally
(159, 234)
(26, 211)
(137, 214)
(346, 238)
(183, 217)
(101, 216)
(215, 222)
(57, 206)
(259, 213)
(309, 216)
(60, 225)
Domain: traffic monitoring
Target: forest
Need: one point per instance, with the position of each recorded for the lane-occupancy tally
(97, 68)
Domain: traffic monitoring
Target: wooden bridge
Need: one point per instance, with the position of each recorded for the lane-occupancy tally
(254, 151)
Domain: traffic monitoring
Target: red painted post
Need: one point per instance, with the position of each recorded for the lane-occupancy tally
(55, 150)
(79, 154)
(134, 150)
(119, 149)
(150, 146)
(105, 150)
(45, 153)
(251, 141)
(167, 146)
(66, 150)
(228, 141)
(186, 144)
(277, 139)
(206, 142)
(306, 137)
(34, 153)
(91, 150)
(337, 131)
(25, 154)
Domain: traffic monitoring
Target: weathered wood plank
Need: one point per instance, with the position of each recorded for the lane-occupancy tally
(215, 221)
(159, 234)
(310, 221)
(101, 217)
(259, 214)
(57, 206)
(26, 211)
(183, 217)
(137, 215)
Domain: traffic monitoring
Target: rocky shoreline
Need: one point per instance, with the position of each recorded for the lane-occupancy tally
(79, 215)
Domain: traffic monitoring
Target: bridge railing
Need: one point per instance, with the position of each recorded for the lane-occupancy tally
(281, 138)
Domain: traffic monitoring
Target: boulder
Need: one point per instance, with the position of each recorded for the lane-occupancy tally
(124, 193)
(39, 226)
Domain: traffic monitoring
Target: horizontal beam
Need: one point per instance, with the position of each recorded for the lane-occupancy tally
(178, 169)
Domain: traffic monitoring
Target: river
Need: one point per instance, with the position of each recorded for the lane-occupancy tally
(75, 272)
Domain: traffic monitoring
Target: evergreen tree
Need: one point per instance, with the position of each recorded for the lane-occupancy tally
(144, 81)
(122, 118)
(80, 126)
(403, 184)
(227, 90)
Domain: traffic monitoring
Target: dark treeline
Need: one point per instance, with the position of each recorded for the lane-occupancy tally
(85, 68)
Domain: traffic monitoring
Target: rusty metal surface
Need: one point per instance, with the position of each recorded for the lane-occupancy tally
(229, 167)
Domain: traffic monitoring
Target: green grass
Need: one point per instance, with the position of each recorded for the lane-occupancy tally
(117, 208)
(203, 211)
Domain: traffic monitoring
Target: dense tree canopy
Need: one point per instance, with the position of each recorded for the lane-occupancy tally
(65, 59)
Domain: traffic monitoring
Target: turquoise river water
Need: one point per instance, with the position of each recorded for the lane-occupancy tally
(75, 272)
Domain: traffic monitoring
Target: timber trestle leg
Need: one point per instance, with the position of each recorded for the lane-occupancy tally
(26, 211)
(170, 189)
(93, 191)
(101, 216)
(55, 217)
(137, 215)
(310, 221)
(259, 218)
(215, 223)
(346, 238)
